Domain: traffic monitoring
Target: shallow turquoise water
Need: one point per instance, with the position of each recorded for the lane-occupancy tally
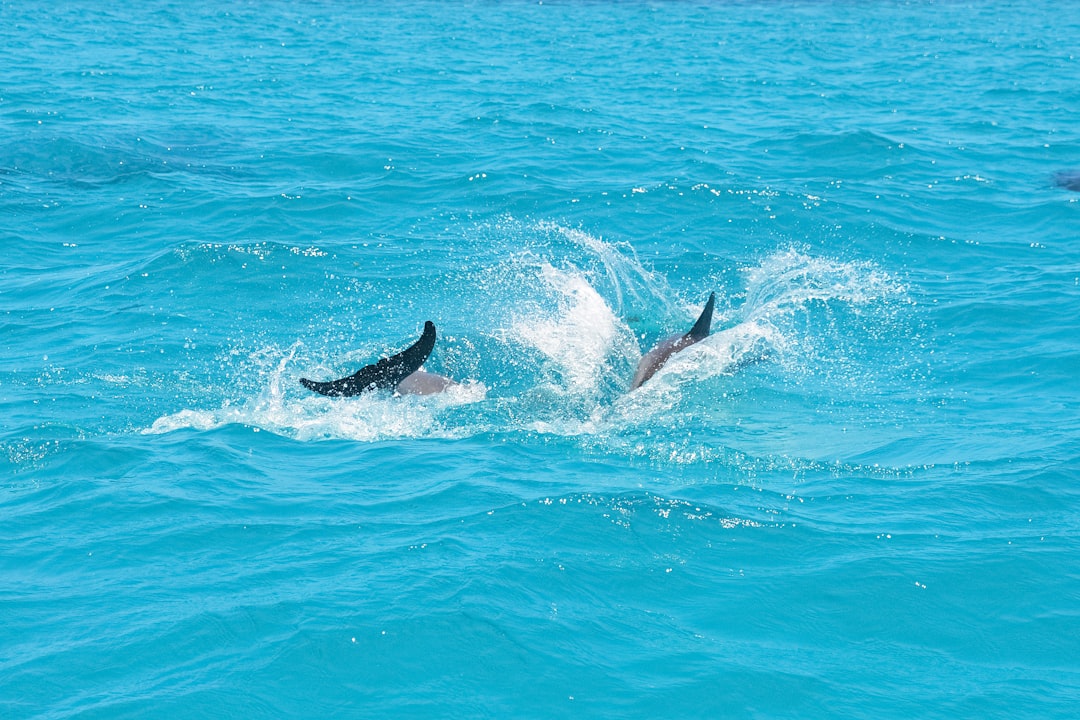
(858, 498)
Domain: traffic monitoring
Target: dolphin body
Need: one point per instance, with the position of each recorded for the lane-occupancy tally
(400, 372)
(655, 358)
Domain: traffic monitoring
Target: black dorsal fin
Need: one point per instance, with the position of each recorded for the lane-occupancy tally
(701, 328)
(386, 373)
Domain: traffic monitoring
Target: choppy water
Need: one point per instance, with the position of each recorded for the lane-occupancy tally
(858, 498)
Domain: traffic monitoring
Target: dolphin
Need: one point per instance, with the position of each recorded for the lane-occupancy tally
(400, 372)
(1068, 179)
(655, 358)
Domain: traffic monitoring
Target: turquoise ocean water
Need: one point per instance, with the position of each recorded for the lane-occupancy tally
(859, 498)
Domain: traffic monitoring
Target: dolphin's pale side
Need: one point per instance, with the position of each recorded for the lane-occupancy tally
(400, 372)
(424, 383)
(655, 358)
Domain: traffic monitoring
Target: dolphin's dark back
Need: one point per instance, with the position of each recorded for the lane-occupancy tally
(655, 358)
(701, 328)
(386, 373)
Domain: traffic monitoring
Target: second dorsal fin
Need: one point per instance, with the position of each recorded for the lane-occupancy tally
(701, 328)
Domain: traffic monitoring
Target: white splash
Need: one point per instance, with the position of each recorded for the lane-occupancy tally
(620, 264)
(582, 334)
(790, 279)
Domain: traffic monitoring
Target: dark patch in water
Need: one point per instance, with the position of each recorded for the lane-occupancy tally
(1068, 179)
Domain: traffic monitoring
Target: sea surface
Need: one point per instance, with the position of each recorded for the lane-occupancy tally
(858, 498)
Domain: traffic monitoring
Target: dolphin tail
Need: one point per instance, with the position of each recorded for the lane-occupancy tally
(386, 373)
(701, 328)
